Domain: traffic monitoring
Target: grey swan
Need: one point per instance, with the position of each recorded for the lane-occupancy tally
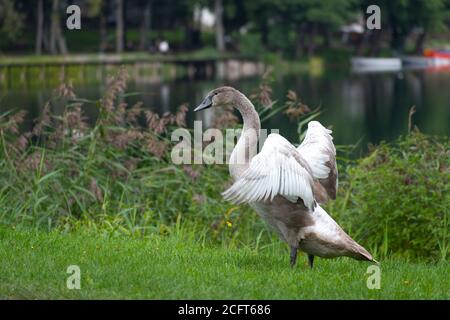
(285, 185)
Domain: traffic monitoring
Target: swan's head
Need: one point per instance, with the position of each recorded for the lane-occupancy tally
(220, 97)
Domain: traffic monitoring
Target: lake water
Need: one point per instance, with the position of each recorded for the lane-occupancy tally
(359, 107)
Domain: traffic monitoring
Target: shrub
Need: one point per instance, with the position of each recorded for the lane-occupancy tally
(118, 170)
(396, 199)
(115, 175)
(250, 44)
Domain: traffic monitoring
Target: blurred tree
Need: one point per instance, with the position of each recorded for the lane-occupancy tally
(220, 34)
(11, 20)
(431, 16)
(57, 41)
(146, 23)
(313, 17)
(103, 26)
(99, 8)
(39, 27)
(235, 15)
(401, 18)
(262, 13)
(120, 27)
(194, 31)
(229, 16)
(309, 21)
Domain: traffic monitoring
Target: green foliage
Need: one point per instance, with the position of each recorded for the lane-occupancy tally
(250, 44)
(94, 7)
(281, 38)
(208, 39)
(407, 14)
(114, 177)
(330, 13)
(337, 56)
(397, 199)
(11, 20)
(402, 17)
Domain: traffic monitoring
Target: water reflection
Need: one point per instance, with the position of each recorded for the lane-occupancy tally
(370, 107)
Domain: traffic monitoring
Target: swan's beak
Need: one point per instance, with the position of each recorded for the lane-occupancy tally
(206, 103)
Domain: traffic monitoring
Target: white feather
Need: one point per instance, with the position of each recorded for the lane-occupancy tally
(316, 149)
(274, 171)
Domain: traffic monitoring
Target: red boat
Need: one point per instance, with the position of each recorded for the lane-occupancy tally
(431, 53)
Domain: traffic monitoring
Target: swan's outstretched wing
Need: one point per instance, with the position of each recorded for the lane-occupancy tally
(277, 170)
(319, 151)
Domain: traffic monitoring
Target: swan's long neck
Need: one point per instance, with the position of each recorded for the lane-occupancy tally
(247, 145)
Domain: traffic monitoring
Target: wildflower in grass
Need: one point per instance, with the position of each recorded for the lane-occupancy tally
(295, 108)
(225, 118)
(131, 164)
(265, 96)
(154, 122)
(122, 140)
(116, 85)
(96, 190)
(180, 116)
(264, 93)
(32, 162)
(11, 123)
(199, 198)
(43, 121)
(65, 90)
(118, 116)
(75, 119)
(133, 114)
(193, 174)
(154, 146)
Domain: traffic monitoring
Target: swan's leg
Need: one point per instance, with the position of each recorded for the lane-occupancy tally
(310, 260)
(293, 256)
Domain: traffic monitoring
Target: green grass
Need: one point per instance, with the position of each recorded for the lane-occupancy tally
(33, 266)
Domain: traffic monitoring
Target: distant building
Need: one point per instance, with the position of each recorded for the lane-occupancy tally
(353, 32)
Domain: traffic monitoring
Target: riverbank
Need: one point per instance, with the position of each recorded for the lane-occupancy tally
(113, 58)
(145, 67)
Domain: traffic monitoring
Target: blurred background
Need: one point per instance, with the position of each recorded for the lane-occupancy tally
(364, 81)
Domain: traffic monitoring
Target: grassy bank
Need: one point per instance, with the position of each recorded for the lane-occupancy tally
(33, 266)
(34, 70)
(117, 177)
(108, 198)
